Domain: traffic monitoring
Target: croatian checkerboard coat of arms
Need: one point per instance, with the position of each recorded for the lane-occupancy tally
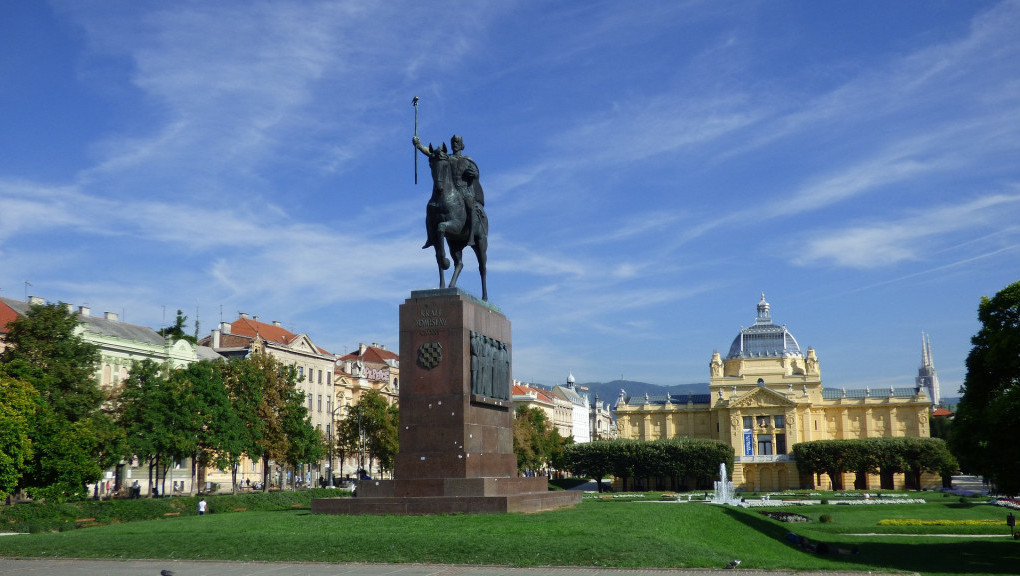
(430, 354)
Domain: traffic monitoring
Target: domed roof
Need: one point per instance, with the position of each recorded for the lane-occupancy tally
(764, 339)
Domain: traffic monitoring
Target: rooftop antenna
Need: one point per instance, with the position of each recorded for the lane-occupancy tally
(27, 284)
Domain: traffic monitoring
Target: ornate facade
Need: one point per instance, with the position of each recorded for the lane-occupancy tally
(765, 396)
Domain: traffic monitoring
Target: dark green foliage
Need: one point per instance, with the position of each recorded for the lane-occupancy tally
(176, 332)
(369, 429)
(45, 516)
(537, 443)
(984, 435)
(70, 434)
(17, 407)
(684, 461)
(908, 455)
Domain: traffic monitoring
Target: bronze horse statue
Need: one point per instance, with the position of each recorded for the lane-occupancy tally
(455, 214)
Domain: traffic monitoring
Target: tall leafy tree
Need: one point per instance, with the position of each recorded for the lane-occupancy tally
(17, 406)
(370, 428)
(67, 428)
(983, 429)
(261, 388)
(537, 443)
(209, 416)
(305, 444)
(155, 418)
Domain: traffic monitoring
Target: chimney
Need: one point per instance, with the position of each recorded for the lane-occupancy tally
(277, 324)
(36, 300)
(244, 315)
(68, 307)
(111, 316)
(84, 310)
(225, 327)
(255, 318)
(361, 349)
(216, 338)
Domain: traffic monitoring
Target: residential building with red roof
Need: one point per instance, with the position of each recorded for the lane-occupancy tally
(247, 335)
(558, 410)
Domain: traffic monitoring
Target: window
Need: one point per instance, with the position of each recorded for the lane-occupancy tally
(329, 378)
(320, 376)
(329, 404)
(780, 443)
(320, 402)
(747, 422)
(764, 445)
(309, 402)
(780, 421)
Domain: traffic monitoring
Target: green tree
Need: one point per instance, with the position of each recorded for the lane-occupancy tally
(17, 406)
(209, 417)
(260, 388)
(984, 429)
(156, 419)
(537, 443)
(370, 429)
(305, 444)
(69, 432)
(176, 332)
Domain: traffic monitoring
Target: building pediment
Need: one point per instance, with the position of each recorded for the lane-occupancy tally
(303, 344)
(761, 397)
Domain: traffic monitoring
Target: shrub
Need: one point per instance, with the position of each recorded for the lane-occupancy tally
(825, 518)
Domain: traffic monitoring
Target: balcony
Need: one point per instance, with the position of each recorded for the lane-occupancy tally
(764, 459)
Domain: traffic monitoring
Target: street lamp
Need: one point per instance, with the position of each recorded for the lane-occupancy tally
(332, 446)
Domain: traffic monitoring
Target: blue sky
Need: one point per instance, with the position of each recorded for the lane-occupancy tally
(649, 170)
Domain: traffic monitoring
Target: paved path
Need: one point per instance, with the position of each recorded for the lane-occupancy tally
(72, 567)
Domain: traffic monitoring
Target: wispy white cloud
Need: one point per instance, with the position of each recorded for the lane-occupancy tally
(889, 242)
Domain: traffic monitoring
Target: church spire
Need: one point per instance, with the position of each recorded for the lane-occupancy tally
(927, 377)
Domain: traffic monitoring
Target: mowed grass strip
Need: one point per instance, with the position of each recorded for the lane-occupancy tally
(595, 533)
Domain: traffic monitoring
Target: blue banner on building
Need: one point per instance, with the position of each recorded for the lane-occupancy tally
(748, 444)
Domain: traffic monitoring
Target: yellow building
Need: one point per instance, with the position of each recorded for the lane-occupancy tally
(765, 396)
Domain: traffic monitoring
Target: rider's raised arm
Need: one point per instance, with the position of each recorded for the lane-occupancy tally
(417, 144)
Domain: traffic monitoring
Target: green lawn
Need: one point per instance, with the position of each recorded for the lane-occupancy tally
(620, 532)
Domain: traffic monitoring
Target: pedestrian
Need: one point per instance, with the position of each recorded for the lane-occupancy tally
(201, 506)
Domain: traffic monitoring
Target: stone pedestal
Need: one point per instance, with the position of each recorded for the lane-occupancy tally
(456, 421)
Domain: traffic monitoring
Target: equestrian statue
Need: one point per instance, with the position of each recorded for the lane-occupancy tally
(455, 214)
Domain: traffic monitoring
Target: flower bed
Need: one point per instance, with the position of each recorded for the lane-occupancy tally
(936, 522)
(1008, 503)
(777, 503)
(785, 516)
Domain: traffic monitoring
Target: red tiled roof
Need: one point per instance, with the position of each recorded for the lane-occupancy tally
(941, 413)
(372, 354)
(7, 315)
(269, 332)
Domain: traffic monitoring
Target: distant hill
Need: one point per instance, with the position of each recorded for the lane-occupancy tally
(610, 391)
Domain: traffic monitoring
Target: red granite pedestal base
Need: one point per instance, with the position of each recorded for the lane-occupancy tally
(456, 441)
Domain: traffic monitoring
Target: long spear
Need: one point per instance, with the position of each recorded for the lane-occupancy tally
(414, 102)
